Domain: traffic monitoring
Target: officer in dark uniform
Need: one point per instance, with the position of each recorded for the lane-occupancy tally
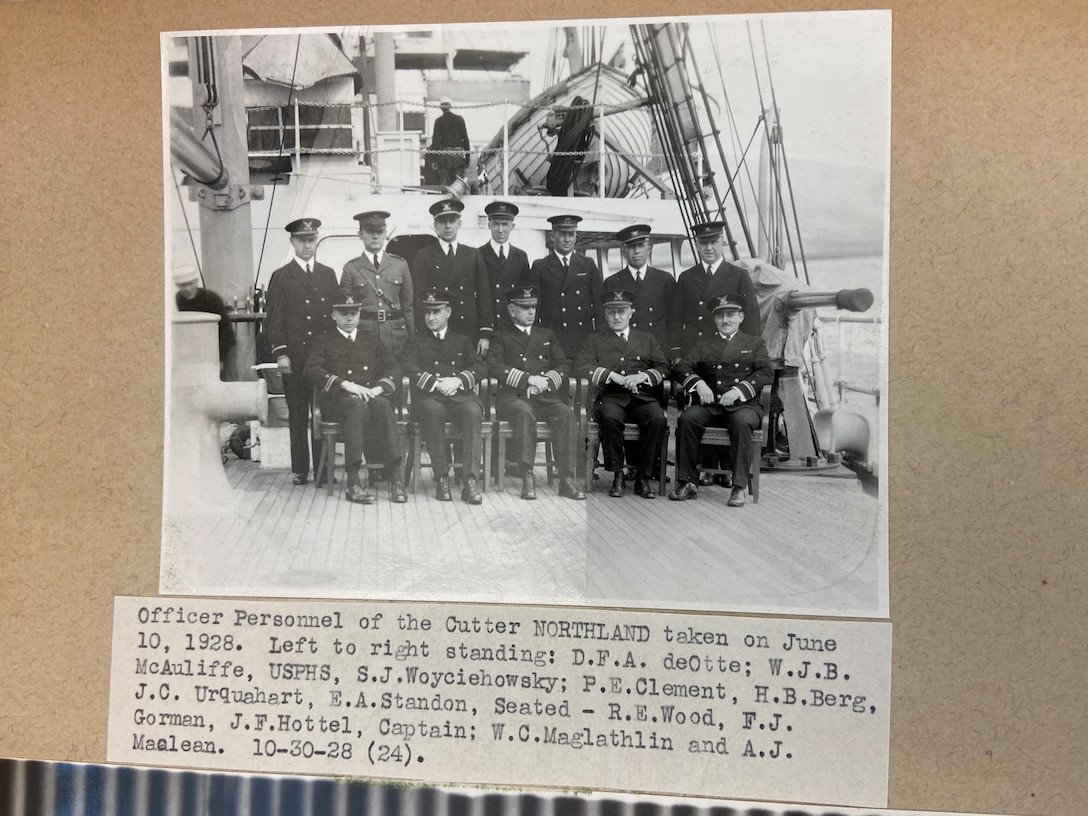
(532, 370)
(445, 369)
(383, 282)
(629, 369)
(300, 296)
(569, 286)
(690, 320)
(354, 371)
(711, 278)
(725, 373)
(652, 288)
(458, 270)
(507, 266)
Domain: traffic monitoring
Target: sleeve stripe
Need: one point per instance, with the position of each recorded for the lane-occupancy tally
(655, 377)
(747, 388)
(555, 378)
(425, 381)
(514, 377)
(387, 384)
(599, 375)
(277, 349)
(690, 381)
(468, 380)
(330, 382)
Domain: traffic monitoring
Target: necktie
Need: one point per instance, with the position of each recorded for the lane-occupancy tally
(502, 253)
(375, 262)
(308, 270)
(449, 252)
(566, 264)
(708, 272)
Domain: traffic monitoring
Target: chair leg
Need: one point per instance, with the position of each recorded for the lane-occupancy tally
(486, 469)
(327, 465)
(664, 463)
(591, 457)
(417, 458)
(753, 480)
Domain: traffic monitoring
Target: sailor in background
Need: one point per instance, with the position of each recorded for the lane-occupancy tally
(444, 370)
(383, 282)
(507, 266)
(353, 371)
(450, 136)
(628, 368)
(300, 296)
(458, 270)
(724, 374)
(570, 285)
(532, 370)
(192, 297)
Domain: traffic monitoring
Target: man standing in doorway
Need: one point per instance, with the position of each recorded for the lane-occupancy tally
(450, 135)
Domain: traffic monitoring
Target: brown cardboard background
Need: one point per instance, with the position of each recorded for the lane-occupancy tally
(988, 518)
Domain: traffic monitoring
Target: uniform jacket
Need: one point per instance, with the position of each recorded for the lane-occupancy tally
(366, 362)
(426, 359)
(503, 275)
(465, 279)
(690, 320)
(450, 133)
(605, 352)
(513, 356)
(653, 301)
(208, 301)
(568, 298)
(299, 309)
(740, 362)
(389, 287)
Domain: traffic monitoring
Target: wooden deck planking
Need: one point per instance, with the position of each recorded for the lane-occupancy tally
(810, 544)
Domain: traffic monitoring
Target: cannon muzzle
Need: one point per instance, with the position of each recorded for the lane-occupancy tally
(850, 300)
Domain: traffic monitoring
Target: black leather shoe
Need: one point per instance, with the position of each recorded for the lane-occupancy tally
(442, 489)
(528, 486)
(643, 489)
(299, 479)
(684, 492)
(724, 479)
(355, 493)
(616, 491)
(736, 497)
(470, 493)
(706, 479)
(396, 493)
(568, 489)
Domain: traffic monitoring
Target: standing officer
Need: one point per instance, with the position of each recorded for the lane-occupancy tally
(458, 270)
(444, 369)
(532, 371)
(652, 288)
(725, 373)
(569, 286)
(300, 295)
(690, 320)
(628, 368)
(710, 278)
(354, 371)
(507, 266)
(382, 281)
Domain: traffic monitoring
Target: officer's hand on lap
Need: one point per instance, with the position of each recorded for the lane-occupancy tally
(284, 363)
(703, 392)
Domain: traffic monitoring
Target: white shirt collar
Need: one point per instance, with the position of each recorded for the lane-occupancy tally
(302, 263)
(441, 333)
(714, 266)
(348, 335)
(564, 258)
(496, 247)
(635, 272)
(624, 334)
(446, 246)
(524, 329)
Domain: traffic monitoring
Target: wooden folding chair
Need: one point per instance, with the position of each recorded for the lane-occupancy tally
(720, 436)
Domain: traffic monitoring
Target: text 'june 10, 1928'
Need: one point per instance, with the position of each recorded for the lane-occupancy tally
(740, 707)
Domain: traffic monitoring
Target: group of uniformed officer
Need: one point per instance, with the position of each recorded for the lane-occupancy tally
(460, 314)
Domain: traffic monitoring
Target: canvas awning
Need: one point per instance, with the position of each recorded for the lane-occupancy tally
(295, 61)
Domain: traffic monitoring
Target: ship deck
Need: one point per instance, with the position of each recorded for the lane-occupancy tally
(810, 546)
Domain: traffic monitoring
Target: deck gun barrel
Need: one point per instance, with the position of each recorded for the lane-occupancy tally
(850, 300)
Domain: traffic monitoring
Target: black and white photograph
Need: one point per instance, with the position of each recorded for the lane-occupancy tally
(584, 312)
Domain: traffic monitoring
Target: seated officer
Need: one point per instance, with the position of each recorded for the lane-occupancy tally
(628, 368)
(444, 368)
(354, 371)
(724, 372)
(532, 371)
